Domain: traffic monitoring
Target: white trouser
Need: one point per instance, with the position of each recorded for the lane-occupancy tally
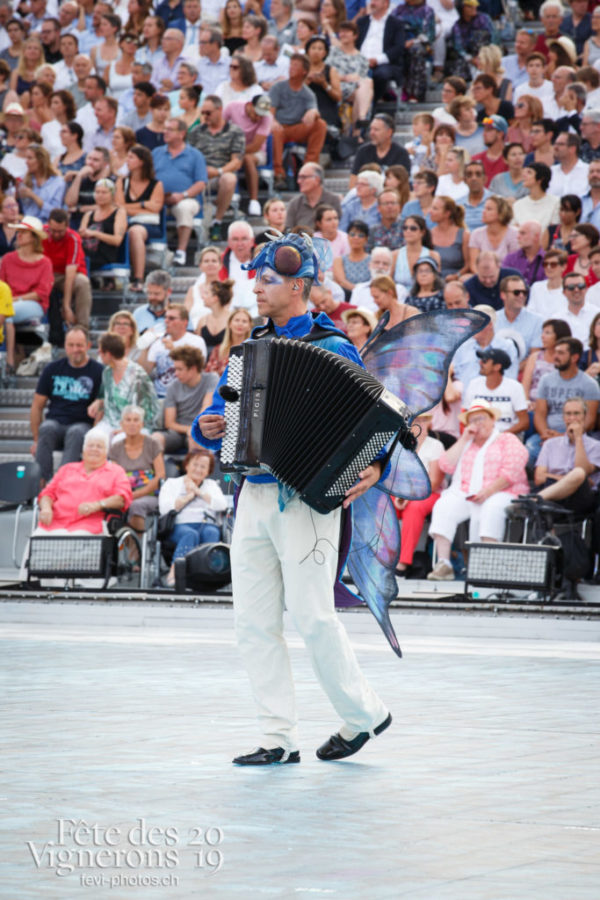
(185, 211)
(291, 557)
(486, 520)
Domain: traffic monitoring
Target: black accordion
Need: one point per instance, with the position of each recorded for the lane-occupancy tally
(310, 417)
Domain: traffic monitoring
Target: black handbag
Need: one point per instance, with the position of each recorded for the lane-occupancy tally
(166, 524)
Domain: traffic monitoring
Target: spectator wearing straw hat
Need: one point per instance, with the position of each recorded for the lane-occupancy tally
(488, 471)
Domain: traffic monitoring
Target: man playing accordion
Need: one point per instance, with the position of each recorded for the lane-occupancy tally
(285, 555)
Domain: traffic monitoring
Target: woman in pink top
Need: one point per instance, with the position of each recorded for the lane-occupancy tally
(28, 272)
(488, 471)
(81, 493)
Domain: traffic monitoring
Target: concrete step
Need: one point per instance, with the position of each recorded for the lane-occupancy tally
(13, 429)
(14, 414)
(11, 446)
(13, 457)
(16, 397)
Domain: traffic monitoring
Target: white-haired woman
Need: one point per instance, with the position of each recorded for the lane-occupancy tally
(141, 457)
(81, 493)
(364, 205)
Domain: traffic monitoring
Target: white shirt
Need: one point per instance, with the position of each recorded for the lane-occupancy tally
(243, 289)
(580, 323)
(545, 301)
(372, 46)
(65, 77)
(544, 211)
(267, 72)
(448, 188)
(508, 397)
(545, 92)
(86, 117)
(573, 182)
(361, 295)
(592, 296)
(50, 132)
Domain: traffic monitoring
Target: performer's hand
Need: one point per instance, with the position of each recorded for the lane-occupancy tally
(367, 478)
(212, 427)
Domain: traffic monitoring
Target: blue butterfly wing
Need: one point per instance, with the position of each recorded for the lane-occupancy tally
(374, 555)
(412, 358)
(407, 477)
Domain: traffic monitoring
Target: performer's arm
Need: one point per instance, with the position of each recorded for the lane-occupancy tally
(208, 427)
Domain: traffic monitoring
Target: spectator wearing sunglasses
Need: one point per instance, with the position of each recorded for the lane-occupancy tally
(515, 317)
(578, 314)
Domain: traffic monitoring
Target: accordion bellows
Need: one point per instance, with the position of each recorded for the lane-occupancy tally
(310, 417)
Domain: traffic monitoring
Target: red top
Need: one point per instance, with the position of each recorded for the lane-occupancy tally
(491, 168)
(67, 252)
(590, 278)
(23, 277)
(72, 485)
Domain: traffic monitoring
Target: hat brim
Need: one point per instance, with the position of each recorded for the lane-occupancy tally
(493, 413)
(19, 227)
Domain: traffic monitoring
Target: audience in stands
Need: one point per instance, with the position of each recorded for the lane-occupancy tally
(512, 205)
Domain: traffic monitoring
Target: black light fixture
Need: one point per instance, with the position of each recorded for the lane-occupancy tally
(509, 567)
(208, 567)
(70, 557)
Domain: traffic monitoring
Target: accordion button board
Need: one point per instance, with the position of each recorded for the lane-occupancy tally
(309, 417)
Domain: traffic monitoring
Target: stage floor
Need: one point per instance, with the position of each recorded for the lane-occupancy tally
(117, 743)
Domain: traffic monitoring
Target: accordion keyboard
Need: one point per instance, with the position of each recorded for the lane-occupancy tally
(232, 411)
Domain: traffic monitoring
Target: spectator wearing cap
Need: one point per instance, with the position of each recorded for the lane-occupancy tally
(515, 316)
(14, 119)
(536, 85)
(255, 120)
(495, 129)
(488, 472)
(311, 193)
(297, 119)
(528, 260)
(427, 291)
(505, 393)
(539, 206)
(381, 41)
(360, 323)
(466, 359)
(381, 149)
(364, 205)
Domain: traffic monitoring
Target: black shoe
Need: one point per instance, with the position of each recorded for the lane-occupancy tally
(337, 747)
(262, 757)
(281, 184)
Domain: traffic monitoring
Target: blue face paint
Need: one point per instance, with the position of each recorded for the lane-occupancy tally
(266, 276)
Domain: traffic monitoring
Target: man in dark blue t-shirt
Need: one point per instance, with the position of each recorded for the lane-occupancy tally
(67, 386)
